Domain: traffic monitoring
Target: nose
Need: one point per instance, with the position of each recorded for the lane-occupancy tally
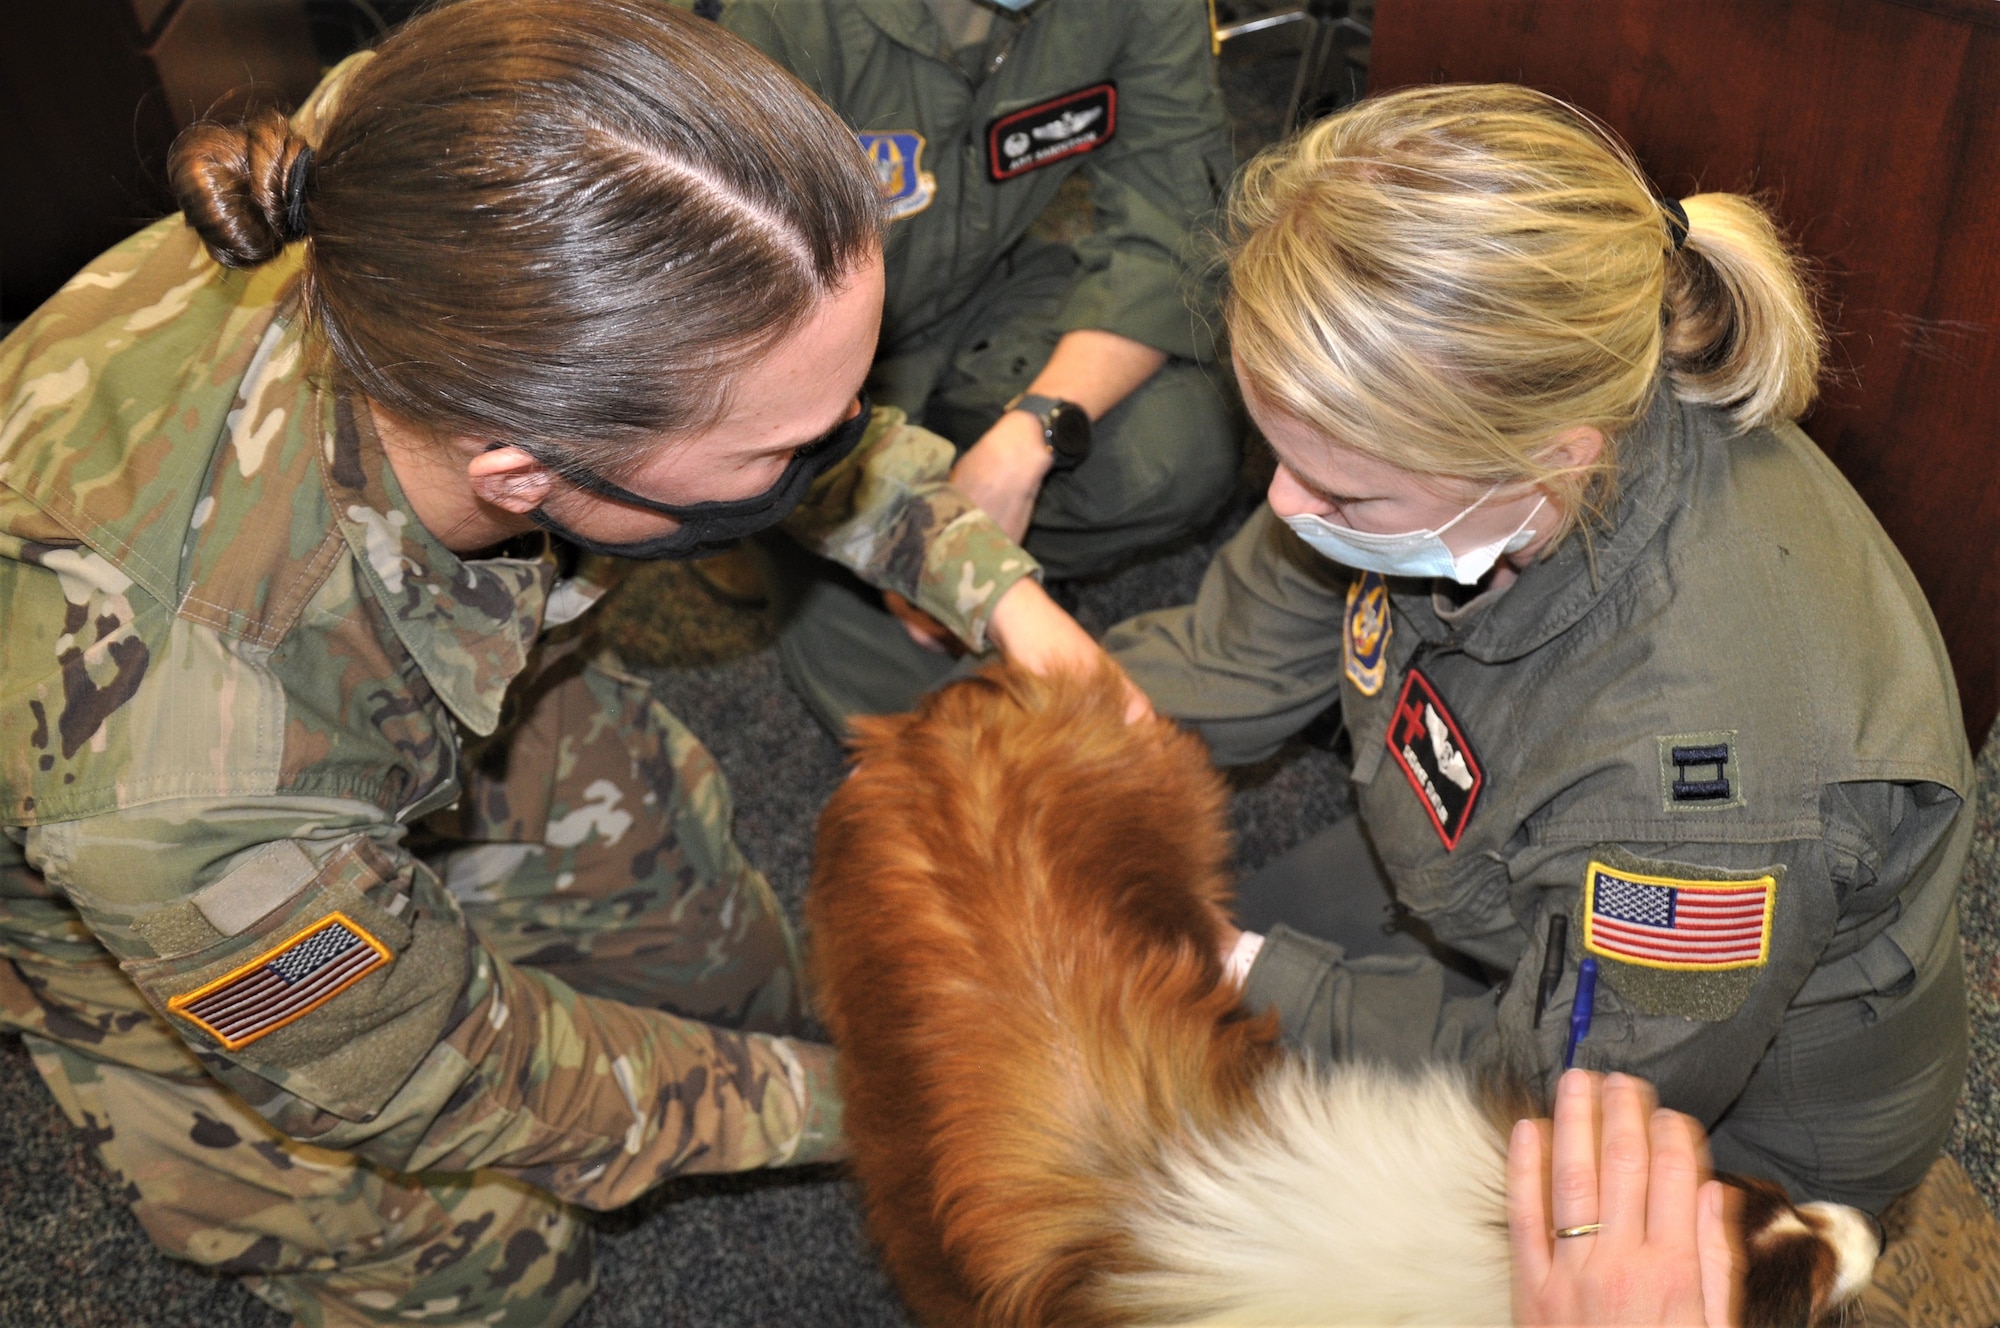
(1290, 498)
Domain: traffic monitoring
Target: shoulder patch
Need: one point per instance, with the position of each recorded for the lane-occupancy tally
(1678, 939)
(1426, 741)
(1365, 633)
(1698, 771)
(1039, 135)
(298, 976)
(898, 158)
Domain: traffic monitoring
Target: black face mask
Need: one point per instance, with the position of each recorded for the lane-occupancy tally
(707, 528)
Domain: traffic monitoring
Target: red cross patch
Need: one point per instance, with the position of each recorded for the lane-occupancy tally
(1437, 760)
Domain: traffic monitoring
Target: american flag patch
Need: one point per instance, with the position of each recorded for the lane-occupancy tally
(1660, 922)
(280, 985)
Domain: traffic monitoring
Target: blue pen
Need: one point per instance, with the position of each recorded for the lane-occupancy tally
(1580, 1008)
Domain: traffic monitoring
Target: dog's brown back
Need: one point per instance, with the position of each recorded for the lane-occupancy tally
(1016, 911)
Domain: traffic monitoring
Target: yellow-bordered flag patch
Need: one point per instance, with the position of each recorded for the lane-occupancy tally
(280, 985)
(1665, 922)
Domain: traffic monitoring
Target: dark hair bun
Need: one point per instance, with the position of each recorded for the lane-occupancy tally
(236, 185)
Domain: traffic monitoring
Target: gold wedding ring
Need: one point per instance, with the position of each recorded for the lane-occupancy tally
(1587, 1229)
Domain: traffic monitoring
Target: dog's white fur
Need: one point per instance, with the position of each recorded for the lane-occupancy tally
(1365, 1196)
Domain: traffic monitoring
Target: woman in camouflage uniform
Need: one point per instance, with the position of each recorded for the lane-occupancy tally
(332, 856)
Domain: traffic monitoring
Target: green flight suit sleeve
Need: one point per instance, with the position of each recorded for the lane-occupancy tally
(889, 513)
(1257, 655)
(1861, 908)
(415, 1046)
(1155, 187)
(1863, 913)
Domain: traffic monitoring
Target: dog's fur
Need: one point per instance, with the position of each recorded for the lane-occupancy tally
(1061, 1113)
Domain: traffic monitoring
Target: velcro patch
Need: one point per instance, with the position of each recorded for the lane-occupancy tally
(1671, 923)
(1699, 771)
(1365, 633)
(1431, 748)
(283, 984)
(1035, 136)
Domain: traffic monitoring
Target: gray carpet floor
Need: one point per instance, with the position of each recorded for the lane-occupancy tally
(777, 1248)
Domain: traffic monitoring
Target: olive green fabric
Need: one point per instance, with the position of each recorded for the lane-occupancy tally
(886, 67)
(1741, 587)
(975, 305)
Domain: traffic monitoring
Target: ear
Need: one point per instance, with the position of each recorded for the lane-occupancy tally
(1577, 447)
(510, 479)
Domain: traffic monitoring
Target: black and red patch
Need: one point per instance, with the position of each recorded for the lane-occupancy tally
(1429, 745)
(1047, 132)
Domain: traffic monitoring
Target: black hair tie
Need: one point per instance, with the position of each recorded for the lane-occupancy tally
(1677, 222)
(296, 181)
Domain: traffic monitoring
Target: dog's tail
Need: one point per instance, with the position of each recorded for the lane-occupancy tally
(1370, 1196)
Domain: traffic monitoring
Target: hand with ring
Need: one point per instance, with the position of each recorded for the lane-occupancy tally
(1620, 1224)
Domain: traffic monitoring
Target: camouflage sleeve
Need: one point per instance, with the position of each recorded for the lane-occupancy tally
(889, 513)
(329, 978)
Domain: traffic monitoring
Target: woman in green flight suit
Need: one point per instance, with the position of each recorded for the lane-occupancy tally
(1656, 751)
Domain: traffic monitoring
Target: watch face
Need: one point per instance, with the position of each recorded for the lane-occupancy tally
(1069, 432)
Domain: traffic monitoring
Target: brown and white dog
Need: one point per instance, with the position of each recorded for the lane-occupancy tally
(1061, 1113)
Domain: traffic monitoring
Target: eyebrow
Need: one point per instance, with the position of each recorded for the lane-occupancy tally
(819, 437)
(1321, 491)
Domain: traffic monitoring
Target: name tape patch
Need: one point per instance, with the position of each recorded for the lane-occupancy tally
(1687, 926)
(1035, 136)
(283, 984)
(898, 158)
(1428, 744)
(1365, 633)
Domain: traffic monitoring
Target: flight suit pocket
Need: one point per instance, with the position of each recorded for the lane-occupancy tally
(334, 995)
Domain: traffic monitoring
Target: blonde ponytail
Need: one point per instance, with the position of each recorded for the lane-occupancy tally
(1451, 278)
(1742, 331)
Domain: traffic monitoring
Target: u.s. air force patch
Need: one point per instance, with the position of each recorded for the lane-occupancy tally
(282, 984)
(1364, 635)
(1674, 938)
(898, 158)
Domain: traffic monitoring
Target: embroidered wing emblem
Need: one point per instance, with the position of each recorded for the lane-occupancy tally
(898, 158)
(1428, 744)
(1035, 136)
(280, 985)
(1365, 634)
(1663, 922)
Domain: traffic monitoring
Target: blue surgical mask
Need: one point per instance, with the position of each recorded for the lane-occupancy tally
(1413, 553)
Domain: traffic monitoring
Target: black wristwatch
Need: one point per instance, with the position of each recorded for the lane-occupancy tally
(1065, 427)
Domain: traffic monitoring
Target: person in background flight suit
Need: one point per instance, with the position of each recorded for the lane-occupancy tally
(973, 114)
(1655, 744)
(363, 912)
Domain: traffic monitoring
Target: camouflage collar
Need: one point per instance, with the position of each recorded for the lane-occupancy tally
(468, 625)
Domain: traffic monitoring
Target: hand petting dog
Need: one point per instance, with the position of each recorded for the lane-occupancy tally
(1638, 1235)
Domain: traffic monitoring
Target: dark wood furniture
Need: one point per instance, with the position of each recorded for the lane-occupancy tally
(1874, 126)
(92, 93)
